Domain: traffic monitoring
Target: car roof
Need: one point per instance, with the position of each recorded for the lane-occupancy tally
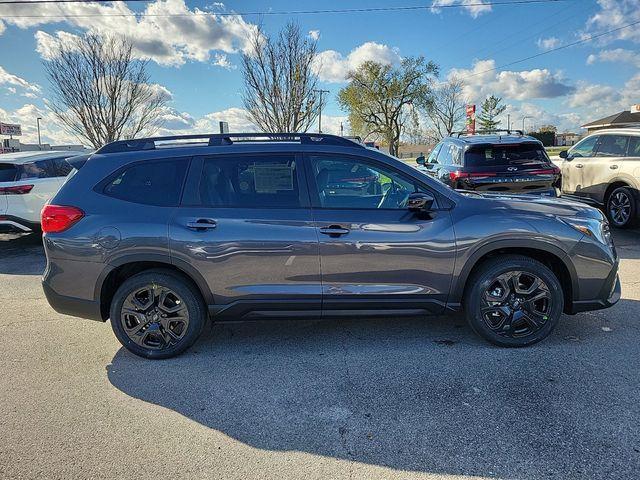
(616, 131)
(495, 139)
(19, 158)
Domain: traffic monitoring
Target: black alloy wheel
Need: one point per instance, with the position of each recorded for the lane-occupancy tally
(621, 208)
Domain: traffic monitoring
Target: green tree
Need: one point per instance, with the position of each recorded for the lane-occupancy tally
(491, 109)
(380, 99)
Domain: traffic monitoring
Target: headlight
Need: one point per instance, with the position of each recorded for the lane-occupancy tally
(592, 227)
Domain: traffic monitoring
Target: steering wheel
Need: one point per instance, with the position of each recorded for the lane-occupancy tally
(393, 196)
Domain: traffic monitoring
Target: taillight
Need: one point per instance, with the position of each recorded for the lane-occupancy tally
(55, 218)
(454, 176)
(16, 190)
(547, 171)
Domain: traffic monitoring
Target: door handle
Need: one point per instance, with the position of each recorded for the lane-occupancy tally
(334, 230)
(613, 167)
(202, 224)
(579, 165)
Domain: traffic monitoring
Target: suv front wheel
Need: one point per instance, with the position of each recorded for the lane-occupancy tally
(157, 314)
(513, 301)
(621, 208)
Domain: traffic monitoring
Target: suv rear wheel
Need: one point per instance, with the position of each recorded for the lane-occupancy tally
(621, 208)
(514, 301)
(157, 314)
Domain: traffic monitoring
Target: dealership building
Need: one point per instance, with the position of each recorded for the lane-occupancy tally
(624, 119)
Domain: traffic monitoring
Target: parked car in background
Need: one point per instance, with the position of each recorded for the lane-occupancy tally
(27, 181)
(604, 169)
(494, 162)
(158, 235)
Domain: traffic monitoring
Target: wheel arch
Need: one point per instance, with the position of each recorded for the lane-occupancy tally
(553, 257)
(125, 267)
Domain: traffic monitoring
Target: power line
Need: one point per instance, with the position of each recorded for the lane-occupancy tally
(264, 13)
(562, 47)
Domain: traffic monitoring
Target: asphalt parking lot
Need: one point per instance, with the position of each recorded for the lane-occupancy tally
(336, 399)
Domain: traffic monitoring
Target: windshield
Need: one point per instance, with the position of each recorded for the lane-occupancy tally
(497, 155)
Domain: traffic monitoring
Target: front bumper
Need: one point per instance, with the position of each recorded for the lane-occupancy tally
(610, 294)
(75, 307)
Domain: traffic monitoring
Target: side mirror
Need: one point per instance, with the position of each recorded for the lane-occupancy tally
(564, 154)
(420, 202)
(421, 160)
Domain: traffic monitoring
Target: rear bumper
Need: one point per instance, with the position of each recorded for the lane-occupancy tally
(75, 307)
(12, 224)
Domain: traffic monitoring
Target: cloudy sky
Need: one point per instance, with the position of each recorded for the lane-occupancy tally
(194, 49)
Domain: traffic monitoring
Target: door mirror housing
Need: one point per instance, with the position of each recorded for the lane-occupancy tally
(564, 154)
(420, 202)
(421, 160)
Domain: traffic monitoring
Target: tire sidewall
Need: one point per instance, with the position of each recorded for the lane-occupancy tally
(194, 303)
(634, 207)
(482, 281)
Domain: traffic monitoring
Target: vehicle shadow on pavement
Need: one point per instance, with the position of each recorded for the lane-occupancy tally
(417, 395)
(22, 254)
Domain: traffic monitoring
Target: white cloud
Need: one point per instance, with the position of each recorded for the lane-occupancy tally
(10, 79)
(620, 55)
(51, 131)
(483, 80)
(602, 100)
(314, 34)
(332, 66)
(186, 35)
(475, 8)
(549, 43)
(614, 14)
(47, 45)
(221, 60)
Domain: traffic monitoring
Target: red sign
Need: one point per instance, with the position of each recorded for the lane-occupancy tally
(10, 129)
(471, 119)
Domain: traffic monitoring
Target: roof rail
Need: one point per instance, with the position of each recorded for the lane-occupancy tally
(223, 139)
(486, 132)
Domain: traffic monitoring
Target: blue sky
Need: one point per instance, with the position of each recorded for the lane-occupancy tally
(196, 57)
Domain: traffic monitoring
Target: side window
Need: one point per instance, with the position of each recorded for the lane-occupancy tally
(346, 182)
(584, 148)
(151, 182)
(39, 169)
(61, 168)
(250, 181)
(456, 155)
(634, 147)
(612, 146)
(433, 156)
(445, 156)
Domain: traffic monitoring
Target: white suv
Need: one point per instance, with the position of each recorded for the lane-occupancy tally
(27, 181)
(604, 169)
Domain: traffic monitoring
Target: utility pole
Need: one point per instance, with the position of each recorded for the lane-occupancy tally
(39, 142)
(321, 92)
(508, 121)
(341, 129)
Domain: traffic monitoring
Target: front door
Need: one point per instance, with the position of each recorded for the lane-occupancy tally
(599, 170)
(376, 256)
(245, 225)
(572, 166)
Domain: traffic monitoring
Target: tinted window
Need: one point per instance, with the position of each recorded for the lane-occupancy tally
(634, 147)
(250, 182)
(7, 172)
(61, 168)
(344, 182)
(39, 169)
(584, 148)
(612, 146)
(497, 155)
(151, 183)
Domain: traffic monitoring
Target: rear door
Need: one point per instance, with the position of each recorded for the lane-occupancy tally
(572, 166)
(8, 174)
(245, 225)
(600, 169)
(518, 167)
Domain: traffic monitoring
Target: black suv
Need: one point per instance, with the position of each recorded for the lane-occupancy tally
(160, 235)
(493, 162)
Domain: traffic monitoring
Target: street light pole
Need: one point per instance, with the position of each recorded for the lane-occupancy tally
(508, 121)
(321, 92)
(39, 142)
(523, 119)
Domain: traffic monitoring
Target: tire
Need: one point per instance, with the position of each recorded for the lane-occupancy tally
(622, 208)
(157, 314)
(505, 316)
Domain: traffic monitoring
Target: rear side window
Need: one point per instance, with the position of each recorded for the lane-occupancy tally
(151, 183)
(497, 155)
(8, 172)
(250, 182)
(633, 150)
(39, 169)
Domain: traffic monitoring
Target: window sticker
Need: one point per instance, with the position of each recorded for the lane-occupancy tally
(273, 178)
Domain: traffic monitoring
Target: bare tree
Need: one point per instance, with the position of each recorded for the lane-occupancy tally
(380, 98)
(446, 109)
(280, 82)
(100, 92)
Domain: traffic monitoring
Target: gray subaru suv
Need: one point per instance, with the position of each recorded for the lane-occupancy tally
(161, 234)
